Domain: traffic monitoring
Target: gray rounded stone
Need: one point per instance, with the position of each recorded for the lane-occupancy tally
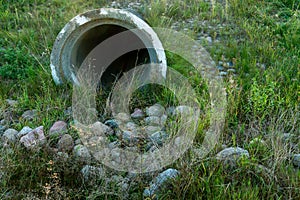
(10, 135)
(232, 154)
(29, 114)
(111, 123)
(155, 110)
(11, 102)
(159, 181)
(58, 128)
(129, 137)
(149, 130)
(183, 111)
(34, 138)
(152, 120)
(122, 118)
(24, 131)
(2, 129)
(93, 174)
(159, 137)
(296, 160)
(82, 154)
(99, 128)
(65, 143)
(138, 114)
(131, 126)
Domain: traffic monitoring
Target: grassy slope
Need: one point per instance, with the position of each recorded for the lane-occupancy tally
(262, 102)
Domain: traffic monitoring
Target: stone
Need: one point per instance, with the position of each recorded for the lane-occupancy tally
(223, 73)
(29, 114)
(129, 137)
(232, 154)
(78, 141)
(65, 143)
(296, 160)
(178, 141)
(159, 137)
(183, 111)
(58, 128)
(82, 154)
(170, 110)
(34, 138)
(24, 131)
(93, 174)
(231, 70)
(155, 110)
(131, 126)
(68, 111)
(10, 135)
(287, 137)
(163, 119)
(160, 181)
(149, 130)
(122, 118)
(220, 68)
(152, 120)
(111, 123)
(101, 129)
(62, 157)
(209, 39)
(11, 102)
(3, 122)
(113, 145)
(2, 129)
(138, 114)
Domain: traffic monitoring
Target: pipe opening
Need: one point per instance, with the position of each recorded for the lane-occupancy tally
(93, 37)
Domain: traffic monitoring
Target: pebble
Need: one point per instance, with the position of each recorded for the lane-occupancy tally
(123, 117)
(101, 129)
(11, 102)
(155, 110)
(158, 137)
(24, 131)
(138, 114)
(111, 123)
(10, 135)
(29, 114)
(183, 110)
(82, 154)
(232, 154)
(2, 129)
(129, 137)
(34, 138)
(170, 110)
(92, 174)
(152, 120)
(296, 160)
(131, 126)
(159, 181)
(209, 39)
(65, 143)
(58, 128)
(149, 130)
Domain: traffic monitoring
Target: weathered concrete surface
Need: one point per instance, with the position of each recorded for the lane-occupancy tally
(85, 31)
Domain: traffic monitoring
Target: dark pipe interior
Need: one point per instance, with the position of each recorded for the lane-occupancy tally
(90, 39)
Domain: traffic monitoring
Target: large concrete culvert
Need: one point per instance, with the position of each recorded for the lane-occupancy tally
(85, 31)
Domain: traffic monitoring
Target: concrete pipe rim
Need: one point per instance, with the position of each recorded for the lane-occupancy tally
(60, 59)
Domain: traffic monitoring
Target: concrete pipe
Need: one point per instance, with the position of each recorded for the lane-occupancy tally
(85, 31)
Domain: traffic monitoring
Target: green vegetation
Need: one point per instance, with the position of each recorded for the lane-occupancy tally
(261, 38)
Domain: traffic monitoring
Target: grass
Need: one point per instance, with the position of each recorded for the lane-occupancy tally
(263, 102)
